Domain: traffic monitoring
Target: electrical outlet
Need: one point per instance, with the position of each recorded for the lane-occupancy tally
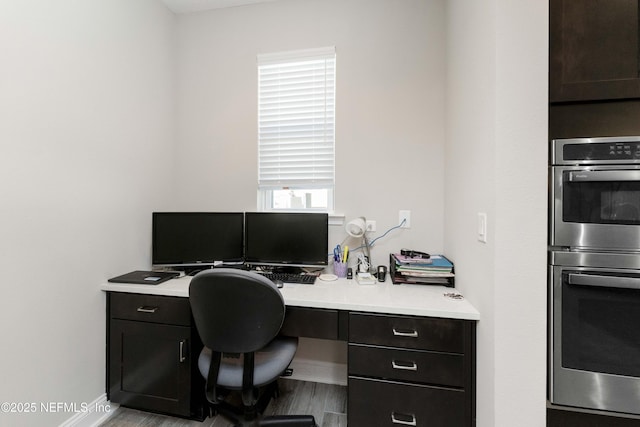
(371, 225)
(406, 217)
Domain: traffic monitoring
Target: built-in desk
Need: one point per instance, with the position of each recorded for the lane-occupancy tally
(411, 349)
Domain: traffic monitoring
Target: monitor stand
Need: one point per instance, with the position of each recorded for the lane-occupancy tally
(192, 271)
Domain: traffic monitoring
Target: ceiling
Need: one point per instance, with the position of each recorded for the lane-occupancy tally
(189, 6)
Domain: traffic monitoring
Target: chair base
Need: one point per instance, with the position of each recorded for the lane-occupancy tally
(239, 414)
(243, 416)
(238, 420)
(288, 421)
(280, 421)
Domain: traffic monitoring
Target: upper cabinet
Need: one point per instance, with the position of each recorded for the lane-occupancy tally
(594, 50)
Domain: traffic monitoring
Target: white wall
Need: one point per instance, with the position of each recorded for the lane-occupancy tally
(86, 130)
(470, 175)
(389, 119)
(496, 157)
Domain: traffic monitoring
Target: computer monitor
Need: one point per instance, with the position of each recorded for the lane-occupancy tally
(286, 239)
(192, 239)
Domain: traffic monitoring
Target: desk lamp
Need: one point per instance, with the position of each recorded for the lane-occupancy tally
(358, 228)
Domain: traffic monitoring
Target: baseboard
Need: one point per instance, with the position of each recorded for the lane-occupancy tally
(92, 414)
(319, 372)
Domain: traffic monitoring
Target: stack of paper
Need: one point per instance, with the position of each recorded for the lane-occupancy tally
(436, 270)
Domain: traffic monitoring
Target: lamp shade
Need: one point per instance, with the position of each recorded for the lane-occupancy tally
(356, 227)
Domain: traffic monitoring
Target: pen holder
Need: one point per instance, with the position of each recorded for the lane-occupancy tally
(340, 269)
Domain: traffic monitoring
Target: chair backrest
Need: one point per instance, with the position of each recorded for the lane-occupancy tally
(235, 311)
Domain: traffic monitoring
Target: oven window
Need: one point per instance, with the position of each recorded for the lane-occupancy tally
(601, 328)
(601, 202)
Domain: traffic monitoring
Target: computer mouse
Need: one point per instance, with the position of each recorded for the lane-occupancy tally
(278, 283)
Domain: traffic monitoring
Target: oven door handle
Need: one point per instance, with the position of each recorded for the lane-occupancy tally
(605, 175)
(604, 281)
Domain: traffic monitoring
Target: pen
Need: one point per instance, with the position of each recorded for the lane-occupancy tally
(337, 253)
(346, 254)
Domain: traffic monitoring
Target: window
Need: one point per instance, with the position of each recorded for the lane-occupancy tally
(296, 130)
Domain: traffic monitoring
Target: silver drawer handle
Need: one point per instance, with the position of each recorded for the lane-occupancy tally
(412, 334)
(147, 309)
(410, 366)
(182, 357)
(395, 420)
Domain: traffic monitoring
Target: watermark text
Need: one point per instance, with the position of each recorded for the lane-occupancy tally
(52, 407)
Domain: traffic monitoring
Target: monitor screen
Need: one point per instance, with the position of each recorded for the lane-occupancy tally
(196, 238)
(286, 239)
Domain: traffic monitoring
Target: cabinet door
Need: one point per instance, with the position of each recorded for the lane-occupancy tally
(593, 47)
(150, 366)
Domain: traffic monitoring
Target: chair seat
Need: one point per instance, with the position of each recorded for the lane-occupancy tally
(270, 362)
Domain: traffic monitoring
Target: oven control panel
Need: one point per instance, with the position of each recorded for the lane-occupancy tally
(596, 150)
(617, 151)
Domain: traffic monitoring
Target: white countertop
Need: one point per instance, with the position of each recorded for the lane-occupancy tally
(342, 294)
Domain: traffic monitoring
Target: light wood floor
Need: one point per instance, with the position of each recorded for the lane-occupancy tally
(327, 403)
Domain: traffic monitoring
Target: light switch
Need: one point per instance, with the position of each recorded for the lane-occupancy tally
(482, 227)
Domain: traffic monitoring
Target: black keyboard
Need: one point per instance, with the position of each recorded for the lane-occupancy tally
(305, 279)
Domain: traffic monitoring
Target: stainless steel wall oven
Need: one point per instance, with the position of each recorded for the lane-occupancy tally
(594, 274)
(595, 194)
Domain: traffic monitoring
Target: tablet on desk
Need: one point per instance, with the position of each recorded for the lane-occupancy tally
(145, 277)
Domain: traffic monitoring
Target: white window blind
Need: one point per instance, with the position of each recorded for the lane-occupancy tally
(296, 119)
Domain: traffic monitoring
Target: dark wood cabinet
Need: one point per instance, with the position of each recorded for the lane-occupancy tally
(152, 354)
(418, 370)
(402, 369)
(594, 50)
(593, 119)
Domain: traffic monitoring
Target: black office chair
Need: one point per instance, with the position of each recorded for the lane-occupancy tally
(238, 315)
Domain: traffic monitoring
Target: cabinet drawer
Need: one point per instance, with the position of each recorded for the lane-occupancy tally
(386, 403)
(311, 323)
(150, 308)
(416, 366)
(408, 332)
